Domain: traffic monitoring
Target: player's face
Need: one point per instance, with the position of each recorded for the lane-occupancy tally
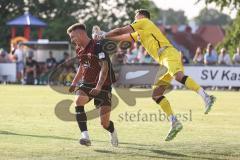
(76, 37)
(138, 16)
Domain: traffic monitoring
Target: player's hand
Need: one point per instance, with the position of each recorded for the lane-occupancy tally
(72, 88)
(95, 91)
(101, 35)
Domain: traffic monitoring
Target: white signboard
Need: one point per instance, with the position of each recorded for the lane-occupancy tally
(214, 75)
(8, 72)
(224, 76)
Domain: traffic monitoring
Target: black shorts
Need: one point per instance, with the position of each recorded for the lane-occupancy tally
(104, 98)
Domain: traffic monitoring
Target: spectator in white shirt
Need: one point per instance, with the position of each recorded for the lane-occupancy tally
(19, 56)
(236, 57)
(224, 57)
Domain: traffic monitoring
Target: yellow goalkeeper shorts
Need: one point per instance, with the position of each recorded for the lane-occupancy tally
(170, 58)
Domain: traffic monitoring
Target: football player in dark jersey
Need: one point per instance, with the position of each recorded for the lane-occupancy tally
(96, 76)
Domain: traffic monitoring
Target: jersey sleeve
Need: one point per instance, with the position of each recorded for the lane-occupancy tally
(138, 24)
(134, 36)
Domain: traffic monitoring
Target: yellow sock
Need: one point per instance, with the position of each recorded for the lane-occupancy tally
(165, 105)
(191, 84)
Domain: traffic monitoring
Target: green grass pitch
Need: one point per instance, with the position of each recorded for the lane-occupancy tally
(29, 128)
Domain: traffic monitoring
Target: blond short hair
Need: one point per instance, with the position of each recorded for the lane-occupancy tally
(75, 27)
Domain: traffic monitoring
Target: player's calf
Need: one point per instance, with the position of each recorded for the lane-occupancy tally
(112, 132)
(192, 85)
(108, 124)
(176, 126)
(81, 118)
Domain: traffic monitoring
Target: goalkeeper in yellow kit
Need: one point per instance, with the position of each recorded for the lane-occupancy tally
(157, 45)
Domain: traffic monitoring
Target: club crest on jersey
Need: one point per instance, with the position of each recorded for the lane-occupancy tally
(101, 55)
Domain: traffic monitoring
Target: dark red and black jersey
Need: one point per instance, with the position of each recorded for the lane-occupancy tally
(89, 59)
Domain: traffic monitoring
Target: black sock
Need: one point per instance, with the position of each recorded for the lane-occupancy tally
(81, 118)
(110, 127)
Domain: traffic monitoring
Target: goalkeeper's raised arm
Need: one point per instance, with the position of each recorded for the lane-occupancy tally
(118, 32)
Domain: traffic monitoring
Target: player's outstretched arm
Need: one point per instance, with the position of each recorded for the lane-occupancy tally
(119, 31)
(123, 37)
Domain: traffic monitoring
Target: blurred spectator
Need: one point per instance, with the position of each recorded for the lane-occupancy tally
(65, 58)
(198, 57)
(236, 57)
(119, 57)
(4, 57)
(131, 57)
(117, 60)
(19, 56)
(141, 54)
(47, 69)
(224, 58)
(210, 57)
(136, 48)
(31, 69)
(184, 58)
(13, 48)
(67, 75)
(51, 61)
(68, 70)
(147, 58)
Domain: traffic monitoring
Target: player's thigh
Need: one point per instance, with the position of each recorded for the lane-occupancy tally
(104, 98)
(173, 61)
(81, 98)
(104, 112)
(164, 80)
(162, 86)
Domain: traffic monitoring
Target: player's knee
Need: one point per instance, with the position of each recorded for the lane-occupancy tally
(179, 76)
(155, 97)
(80, 101)
(105, 124)
(157, 93)
(158, 99)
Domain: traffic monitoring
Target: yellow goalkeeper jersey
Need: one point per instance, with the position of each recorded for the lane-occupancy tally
(150, 36)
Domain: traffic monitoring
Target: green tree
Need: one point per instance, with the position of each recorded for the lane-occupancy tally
(224, 3)
(110, 15)
(212, 16)
(232, 38)
(170, 17)
(8, 10)
(53, 12)
(59, 14)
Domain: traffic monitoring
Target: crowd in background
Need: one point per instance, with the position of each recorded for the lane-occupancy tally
(211, 57)
(29, 71)
(208, 56)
